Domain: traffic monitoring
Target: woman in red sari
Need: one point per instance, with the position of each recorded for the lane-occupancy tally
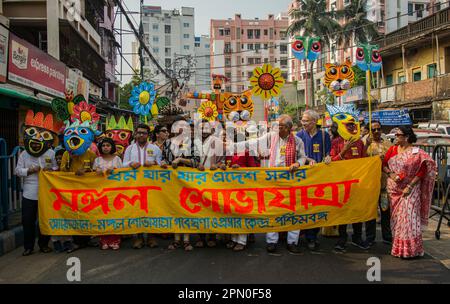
(410, 188)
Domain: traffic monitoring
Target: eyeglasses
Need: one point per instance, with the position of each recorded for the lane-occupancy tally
(142, 133)
(376, 130)
(398, 135)
(164, 130)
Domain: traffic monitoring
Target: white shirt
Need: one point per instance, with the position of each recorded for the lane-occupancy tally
(101, 163)
(31, 182)
(263, 146)
(134, 153)
(211, 151)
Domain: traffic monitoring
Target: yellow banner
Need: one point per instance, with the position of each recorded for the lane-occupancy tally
(247, 200)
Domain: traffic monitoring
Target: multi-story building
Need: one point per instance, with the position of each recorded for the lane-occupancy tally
(239, 45)
(169, 35)
(109, 45)
(417, 68)
(202, 76)
(62, 48)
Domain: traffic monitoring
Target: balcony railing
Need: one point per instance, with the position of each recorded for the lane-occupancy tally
(424, 90)
(424, 25)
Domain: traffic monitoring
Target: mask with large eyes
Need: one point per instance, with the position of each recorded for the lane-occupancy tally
(306, 48)
(77, 140)
(39, 133)
(120, 132)
(121, 138)
(38, 140)
(346, 117)
(238, 106)
(368, 58)
(339, 78)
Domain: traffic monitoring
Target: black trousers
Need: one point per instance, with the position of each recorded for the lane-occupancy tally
(357, 232)
(30, 227)
(371, 226)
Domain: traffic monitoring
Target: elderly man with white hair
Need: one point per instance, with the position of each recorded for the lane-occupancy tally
(284, 150)
(317, 149)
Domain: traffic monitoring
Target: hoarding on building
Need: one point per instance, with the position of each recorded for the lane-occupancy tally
(33, 68)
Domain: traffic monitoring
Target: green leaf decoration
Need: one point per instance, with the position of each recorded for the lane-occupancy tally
(59, 106)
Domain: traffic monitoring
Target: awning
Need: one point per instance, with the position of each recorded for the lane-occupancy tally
(23, 96)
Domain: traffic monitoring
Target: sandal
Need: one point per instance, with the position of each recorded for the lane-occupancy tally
(230, 245)
(174, 245)
(104, 247)
(238, 247)
(187, 246)
(200, 244)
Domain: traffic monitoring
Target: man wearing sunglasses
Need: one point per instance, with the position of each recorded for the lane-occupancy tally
(376, 145)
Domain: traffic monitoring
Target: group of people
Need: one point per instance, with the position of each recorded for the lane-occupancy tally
(407, 181)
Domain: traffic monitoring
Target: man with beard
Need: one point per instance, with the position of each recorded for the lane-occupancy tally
(347, 145)
(40, 136)
(142, 153)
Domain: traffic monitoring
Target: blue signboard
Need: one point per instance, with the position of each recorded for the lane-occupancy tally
(390, 117)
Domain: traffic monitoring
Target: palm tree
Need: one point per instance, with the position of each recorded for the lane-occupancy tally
(357, 27)
(313, 19)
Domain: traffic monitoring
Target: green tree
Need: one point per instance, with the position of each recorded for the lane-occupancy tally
(312, 18)
(125, 92)
(357, 28)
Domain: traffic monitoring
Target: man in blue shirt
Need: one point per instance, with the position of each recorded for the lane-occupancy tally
(317, 149)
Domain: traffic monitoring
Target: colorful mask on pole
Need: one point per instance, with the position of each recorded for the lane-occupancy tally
(346, 117)
(368, 58)
(120, 132)
(339, 78)
(40, 133)
(306, 48)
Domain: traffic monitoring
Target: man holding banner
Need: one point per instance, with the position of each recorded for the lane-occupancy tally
(286, 150)
(317, 148)
(142, 153)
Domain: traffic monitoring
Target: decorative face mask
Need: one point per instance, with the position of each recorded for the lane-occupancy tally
(120, 132)
(218, 81)
(306, 48)
(78, 137)
(368, 57)
(238, 106)
(346, 117)
(339, 78)
(40, 133)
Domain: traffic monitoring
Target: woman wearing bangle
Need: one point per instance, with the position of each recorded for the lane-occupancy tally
(410, 186)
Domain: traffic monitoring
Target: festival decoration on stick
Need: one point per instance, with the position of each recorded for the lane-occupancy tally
(346, 117)
(339, 78)
(368, 59)
(64, 108)
(267, 81)
(208, 111)
(143, 99)
(308, 49)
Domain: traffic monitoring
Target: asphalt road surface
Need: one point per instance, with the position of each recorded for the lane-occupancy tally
(221, 265)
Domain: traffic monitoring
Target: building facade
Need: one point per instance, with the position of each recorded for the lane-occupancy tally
(170, 36)
(63, 37)
(202, 73)
(239, 45)
(417, 68)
